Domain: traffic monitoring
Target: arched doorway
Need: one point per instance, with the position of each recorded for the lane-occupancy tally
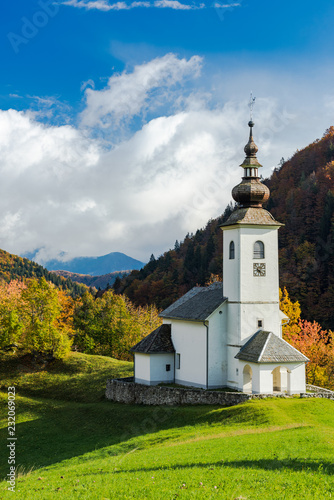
(281, 379)
(247, 379)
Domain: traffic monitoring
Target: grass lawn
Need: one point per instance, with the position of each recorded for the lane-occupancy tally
(72, 446)
(78, 378)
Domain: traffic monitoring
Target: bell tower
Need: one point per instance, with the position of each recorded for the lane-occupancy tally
(250, 263)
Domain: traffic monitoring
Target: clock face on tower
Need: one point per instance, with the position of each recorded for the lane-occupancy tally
(259, 269)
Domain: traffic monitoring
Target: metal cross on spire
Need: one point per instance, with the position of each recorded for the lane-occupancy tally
(251, 105)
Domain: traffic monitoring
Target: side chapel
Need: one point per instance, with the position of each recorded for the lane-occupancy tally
(230, 334)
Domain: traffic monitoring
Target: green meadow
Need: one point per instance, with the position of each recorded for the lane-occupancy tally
(71, 443)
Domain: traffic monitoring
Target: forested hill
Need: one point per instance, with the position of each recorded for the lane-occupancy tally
(302, 197)
(14, 267)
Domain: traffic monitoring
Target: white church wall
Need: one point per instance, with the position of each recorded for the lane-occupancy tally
(217, 348)
(297, 378)
(259, 288)
(253, 300)
(233, 324)
(291, 378)
(189, 340)
(266, 379)
(254, 317)
(240, 284)
(150, 369)
(234, 369)
(243, 379)
(142, 368)
(243, 321)
(231, 267)
(158, 368)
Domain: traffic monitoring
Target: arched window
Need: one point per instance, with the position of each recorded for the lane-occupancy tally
(258, 250)
(232, 250)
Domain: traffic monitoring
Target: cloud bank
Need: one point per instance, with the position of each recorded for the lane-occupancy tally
(67, 188)
(127, 94)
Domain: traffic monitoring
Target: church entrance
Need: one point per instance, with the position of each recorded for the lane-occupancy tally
(247, 379)
(281, 379)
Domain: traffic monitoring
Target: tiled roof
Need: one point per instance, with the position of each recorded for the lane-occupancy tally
(157, 342)
(266, 347)
(197, 304)
(251, 215)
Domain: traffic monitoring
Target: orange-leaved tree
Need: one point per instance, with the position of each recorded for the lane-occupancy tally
(310, 339)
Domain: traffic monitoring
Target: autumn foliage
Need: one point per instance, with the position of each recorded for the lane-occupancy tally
(40, 319)
(110, 325)
(302, 197)
(310, 339)
(30, 318)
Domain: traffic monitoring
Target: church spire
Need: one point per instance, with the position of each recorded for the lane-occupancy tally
(250, 192)
(250, 163)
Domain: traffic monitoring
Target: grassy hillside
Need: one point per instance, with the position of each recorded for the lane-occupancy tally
(79, 377)
(80, 449)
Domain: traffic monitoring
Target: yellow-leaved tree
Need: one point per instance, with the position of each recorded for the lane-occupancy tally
(43, 331)
(291, 309)
(11, 324)
(110, 325)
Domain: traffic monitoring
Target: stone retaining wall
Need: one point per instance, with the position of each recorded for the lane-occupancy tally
(315, 388)
(324, 395)
(126, 391)
(317, 392)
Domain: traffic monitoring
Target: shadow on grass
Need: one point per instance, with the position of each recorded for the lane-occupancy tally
(55, 430)
(297, 465)
(79, 377)
(86, 388)
(59, 430)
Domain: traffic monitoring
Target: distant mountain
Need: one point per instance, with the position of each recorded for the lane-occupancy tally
(93, 281)
(93, 266)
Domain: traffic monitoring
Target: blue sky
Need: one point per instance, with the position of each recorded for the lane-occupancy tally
(122, 124)
(77, 44)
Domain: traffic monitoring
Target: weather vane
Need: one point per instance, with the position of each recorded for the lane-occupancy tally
(251, 105)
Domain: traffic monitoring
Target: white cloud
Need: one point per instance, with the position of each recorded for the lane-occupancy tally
(102, 5)
(49, 107)
(174, 4)
(62, 190)
(88, 83)
(105, 6)
(128, 93)
(226, 5)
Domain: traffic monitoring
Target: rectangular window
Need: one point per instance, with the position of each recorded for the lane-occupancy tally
(167, 368)
(178, 361)
(232, 250)
(260, 323)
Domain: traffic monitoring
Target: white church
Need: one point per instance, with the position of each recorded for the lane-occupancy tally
(230, 334)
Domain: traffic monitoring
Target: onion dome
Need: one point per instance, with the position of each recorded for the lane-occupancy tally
(250, 192)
